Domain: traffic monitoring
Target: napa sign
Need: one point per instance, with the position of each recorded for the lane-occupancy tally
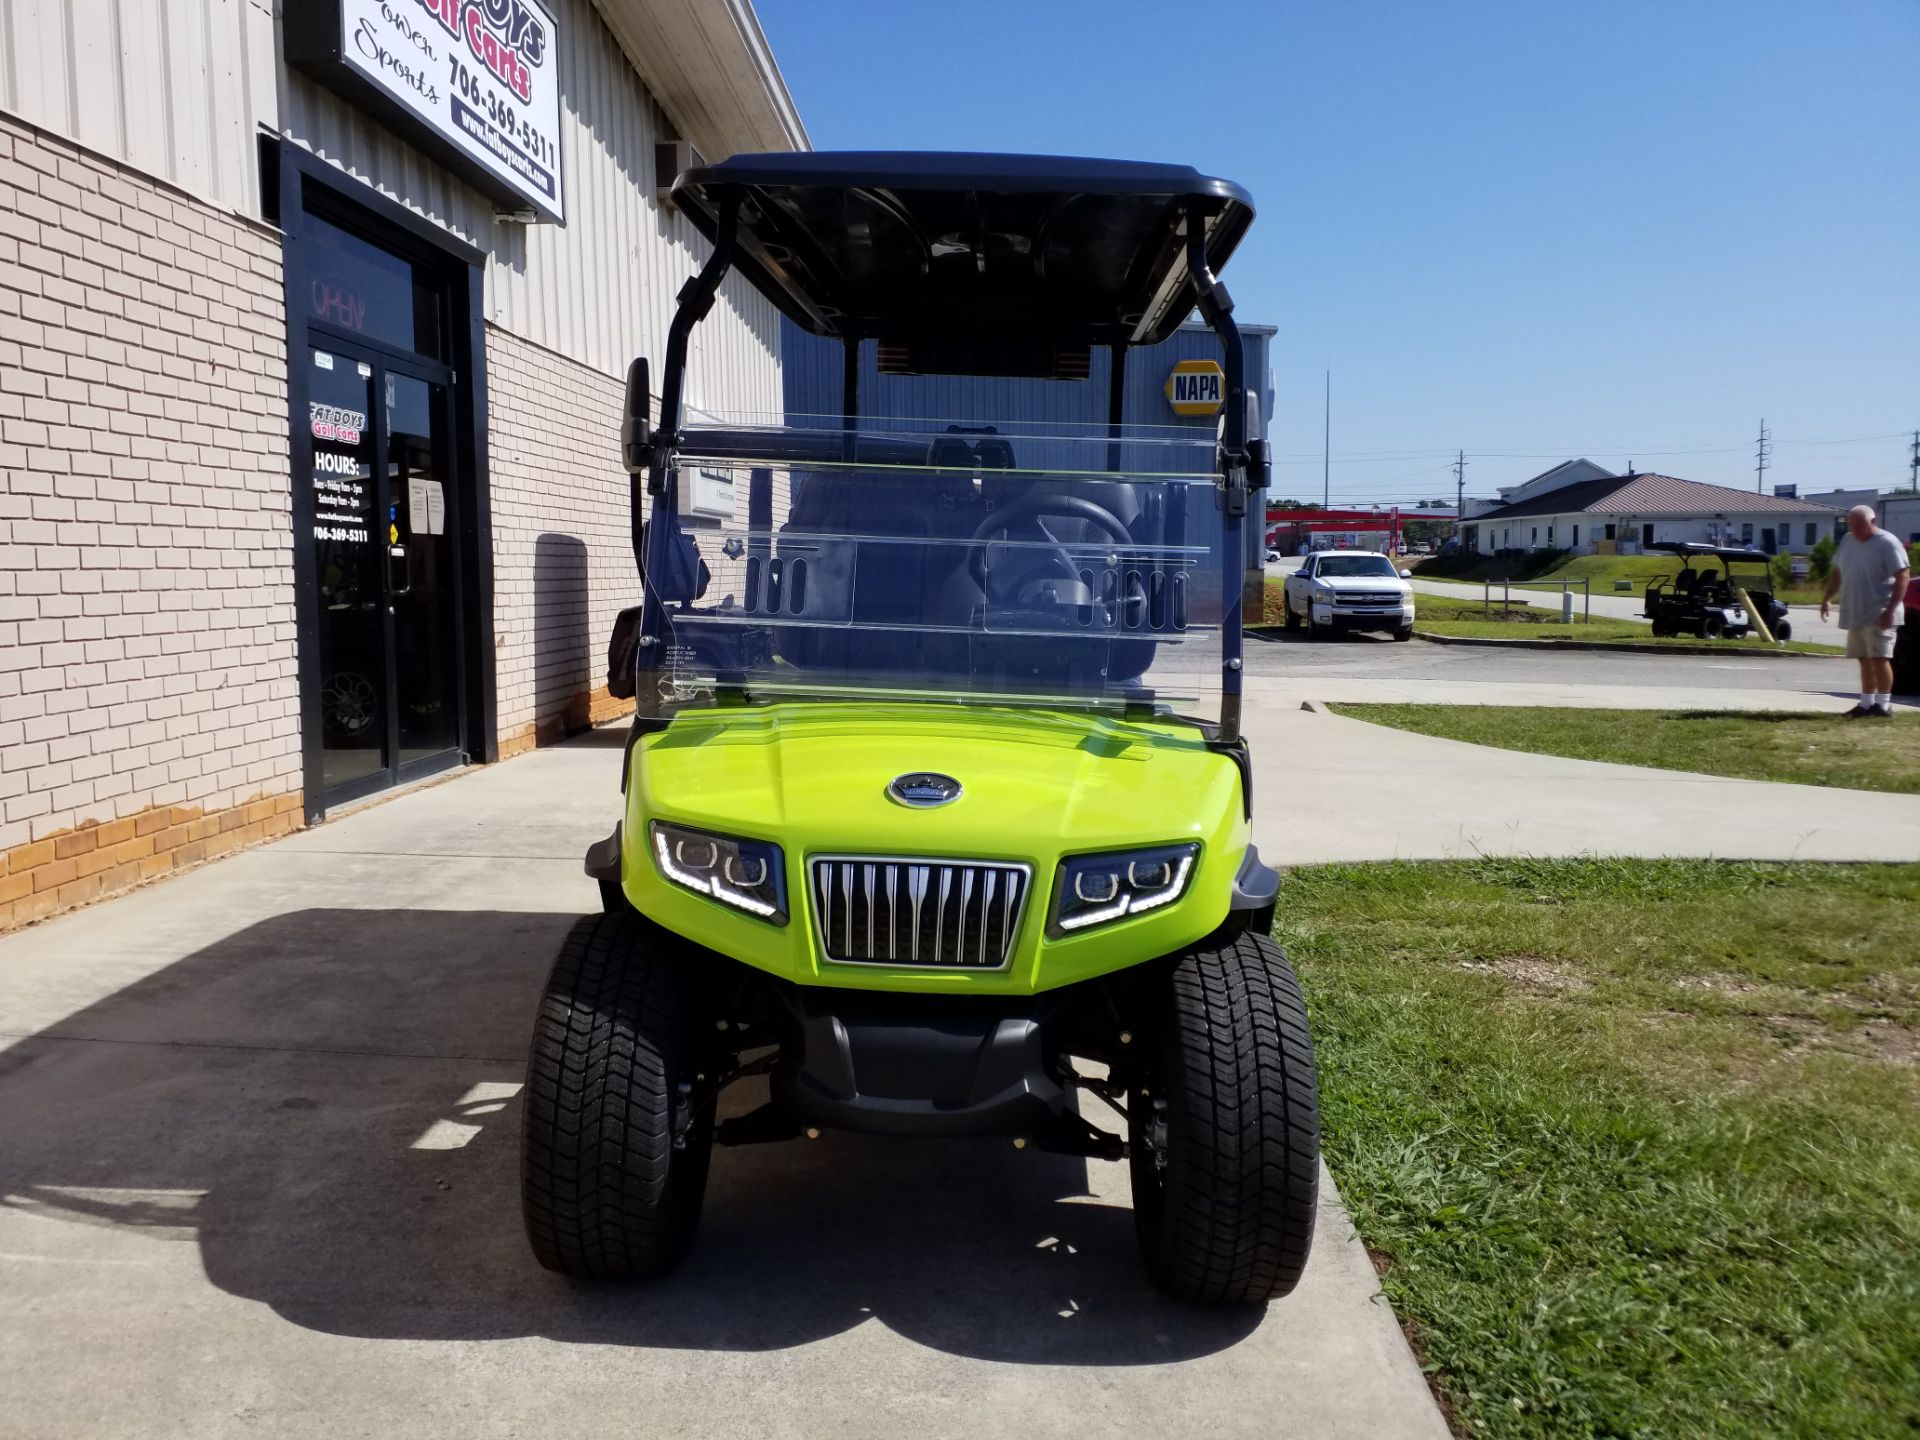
(1197, 387)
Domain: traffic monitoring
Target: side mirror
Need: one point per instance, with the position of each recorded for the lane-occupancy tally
(1406, 574)
(636, 413)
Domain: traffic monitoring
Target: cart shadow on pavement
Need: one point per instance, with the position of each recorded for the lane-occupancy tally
(326, 1103)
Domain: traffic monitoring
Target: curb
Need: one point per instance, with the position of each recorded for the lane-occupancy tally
(1619, 647)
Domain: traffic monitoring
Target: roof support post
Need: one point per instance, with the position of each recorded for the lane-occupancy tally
(1216, 307)
(849, 389)
(695, 300)
(1116, 400)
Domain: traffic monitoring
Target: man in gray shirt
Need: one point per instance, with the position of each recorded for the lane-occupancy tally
(1870, 573)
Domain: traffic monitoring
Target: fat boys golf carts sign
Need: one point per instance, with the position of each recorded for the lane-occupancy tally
(472, 80)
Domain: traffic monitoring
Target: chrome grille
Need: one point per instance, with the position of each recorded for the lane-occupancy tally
(910, 910)
(1352, 597)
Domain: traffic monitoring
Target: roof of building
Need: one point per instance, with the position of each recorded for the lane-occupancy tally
(1650, 495)
(709, 65)
(947, 250)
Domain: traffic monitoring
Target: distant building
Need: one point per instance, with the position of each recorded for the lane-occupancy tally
(1898, 510)
(1579, 506)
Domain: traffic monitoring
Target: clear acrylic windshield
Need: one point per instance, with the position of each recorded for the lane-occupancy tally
(1046, 566)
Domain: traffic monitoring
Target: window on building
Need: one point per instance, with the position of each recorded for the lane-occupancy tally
(1746, 532)
(1813, 533)
(1535, 539)
(1610, 533)
(1549, 534)
(1576, 537)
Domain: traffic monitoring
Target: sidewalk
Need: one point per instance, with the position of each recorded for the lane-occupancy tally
(259, 1177)
(1335, 788)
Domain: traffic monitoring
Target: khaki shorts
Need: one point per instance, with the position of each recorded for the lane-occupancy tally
(1870, 642)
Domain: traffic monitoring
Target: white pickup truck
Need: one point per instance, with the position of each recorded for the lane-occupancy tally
(1349, 590)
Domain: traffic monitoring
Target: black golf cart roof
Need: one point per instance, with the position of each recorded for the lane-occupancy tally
(955, 260)
(1691, 550)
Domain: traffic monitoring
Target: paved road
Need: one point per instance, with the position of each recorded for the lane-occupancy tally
(1293, 656)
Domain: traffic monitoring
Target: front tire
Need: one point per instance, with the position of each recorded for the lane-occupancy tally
(1292, 621)
(613, 1149)
(1783, 631)
(1225, 1130)
(1404, 635)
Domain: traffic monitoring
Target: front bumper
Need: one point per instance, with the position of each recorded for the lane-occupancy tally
(1363, 617)
(910, 1065)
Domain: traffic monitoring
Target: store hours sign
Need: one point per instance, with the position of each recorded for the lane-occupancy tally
(474, 80)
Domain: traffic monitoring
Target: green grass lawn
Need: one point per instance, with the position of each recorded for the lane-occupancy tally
(1804, 749)
(1601, 571)
(1635, 1144)
(1471, 619)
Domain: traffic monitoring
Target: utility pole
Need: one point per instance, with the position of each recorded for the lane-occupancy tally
(1459, 491)
(1760, 456)
(1913, 465)
(1326, 451)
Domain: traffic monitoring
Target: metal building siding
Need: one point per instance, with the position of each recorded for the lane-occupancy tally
(172, 88)
(811, 384)
(600, 289)
(179, 89)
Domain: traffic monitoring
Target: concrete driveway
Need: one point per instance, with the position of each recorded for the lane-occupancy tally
(258, 1131)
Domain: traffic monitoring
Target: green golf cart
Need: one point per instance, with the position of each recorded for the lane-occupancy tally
(936, 804)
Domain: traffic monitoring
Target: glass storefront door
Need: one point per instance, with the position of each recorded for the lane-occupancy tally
(385, 508)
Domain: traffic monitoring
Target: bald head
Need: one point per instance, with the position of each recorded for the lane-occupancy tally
(1860, 522)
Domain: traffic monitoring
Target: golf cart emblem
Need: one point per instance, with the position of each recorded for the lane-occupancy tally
(923, 789)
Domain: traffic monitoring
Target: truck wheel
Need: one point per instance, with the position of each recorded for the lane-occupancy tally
(1225, 1129)
(1404, 634)
(1292, 621)
(613, 1149)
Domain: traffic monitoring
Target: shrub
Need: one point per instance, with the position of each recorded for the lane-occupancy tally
(1782, 568)
(1820, 559)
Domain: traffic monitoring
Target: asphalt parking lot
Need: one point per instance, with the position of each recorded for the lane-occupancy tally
(1293, 655)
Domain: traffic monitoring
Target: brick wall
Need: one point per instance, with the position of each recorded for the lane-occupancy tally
(562, 562)
(146, 588)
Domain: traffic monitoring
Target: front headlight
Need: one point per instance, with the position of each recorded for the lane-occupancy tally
(1096, 889)
(746, 874)
(1320, 595)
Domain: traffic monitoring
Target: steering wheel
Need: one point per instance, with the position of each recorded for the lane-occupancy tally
(1022, 519)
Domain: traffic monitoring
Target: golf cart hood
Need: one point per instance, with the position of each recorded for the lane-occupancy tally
(820, 771)
(813, 777)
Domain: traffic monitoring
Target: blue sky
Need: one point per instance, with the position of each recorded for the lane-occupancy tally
(1626, 230)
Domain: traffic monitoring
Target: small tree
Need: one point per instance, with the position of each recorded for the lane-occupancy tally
(1782, 568)
(1820, 561)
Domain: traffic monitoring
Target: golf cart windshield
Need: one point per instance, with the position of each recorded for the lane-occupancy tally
(1338, 566)
(1040, 565)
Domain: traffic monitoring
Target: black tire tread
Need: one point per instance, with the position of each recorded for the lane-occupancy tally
(603, 1192)
(1235, 1222)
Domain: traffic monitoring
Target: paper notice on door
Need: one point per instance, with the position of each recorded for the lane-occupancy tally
(426, 506)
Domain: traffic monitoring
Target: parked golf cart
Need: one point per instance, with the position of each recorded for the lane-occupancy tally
(936, 800)
(1704, 597)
